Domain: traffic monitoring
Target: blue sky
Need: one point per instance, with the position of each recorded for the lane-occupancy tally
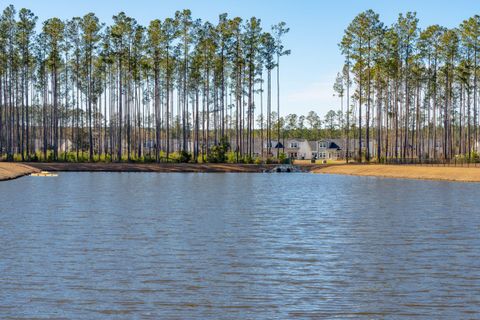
(315, 30)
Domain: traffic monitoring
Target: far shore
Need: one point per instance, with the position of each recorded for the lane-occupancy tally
(12, 170)
(157, 167)
(420, 172)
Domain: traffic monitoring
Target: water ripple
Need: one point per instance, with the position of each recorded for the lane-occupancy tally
(238, 246)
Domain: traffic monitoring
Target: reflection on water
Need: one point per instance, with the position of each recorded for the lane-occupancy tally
(238, 246)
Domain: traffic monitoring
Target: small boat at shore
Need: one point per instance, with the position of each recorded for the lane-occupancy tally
(44, 174)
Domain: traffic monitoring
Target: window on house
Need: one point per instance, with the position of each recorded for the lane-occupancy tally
(323, 144)
(293, 145)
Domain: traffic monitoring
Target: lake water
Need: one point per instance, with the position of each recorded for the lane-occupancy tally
(238, 246)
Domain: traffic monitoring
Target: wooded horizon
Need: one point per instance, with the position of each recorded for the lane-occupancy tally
(126, 91)
(104, 87)
(418, 88)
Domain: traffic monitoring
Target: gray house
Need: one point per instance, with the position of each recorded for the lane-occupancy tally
(326, 149)
(302, 149)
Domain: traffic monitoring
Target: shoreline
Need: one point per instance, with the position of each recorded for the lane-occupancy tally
(13, 170)
(154, 167)
(411, 172)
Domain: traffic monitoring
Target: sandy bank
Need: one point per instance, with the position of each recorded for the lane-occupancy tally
(9, 170)
(461, 174)
(151, 167)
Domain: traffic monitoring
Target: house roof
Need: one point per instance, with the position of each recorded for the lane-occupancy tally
(333, 145)
(278, 145)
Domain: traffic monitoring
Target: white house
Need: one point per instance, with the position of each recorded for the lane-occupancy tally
(326, 150)
(303, 149)
(298, 149)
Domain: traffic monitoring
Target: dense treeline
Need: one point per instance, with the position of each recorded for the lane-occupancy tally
(412, 92)
(81, 90)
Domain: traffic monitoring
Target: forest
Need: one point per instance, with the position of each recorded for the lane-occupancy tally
(183, 89)
(80, 90)
(410, 92)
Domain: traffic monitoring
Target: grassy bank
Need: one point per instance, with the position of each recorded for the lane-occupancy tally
(461, 174)
(9, 170)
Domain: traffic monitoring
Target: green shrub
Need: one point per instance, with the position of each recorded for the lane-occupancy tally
(282, 157)
(185, 156)
(50, 156)
(68, 156)
(200, 159)
(272, 161)
(149, 158)
(82, 157)
(182, 156)
(258, 160)
(248, 159)
(218, 153)
(105, 158)
(231, 157)
(474, 156)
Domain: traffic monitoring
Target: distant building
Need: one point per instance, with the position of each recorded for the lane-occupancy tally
(326, 149)
(298, 149)
(302, 149)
